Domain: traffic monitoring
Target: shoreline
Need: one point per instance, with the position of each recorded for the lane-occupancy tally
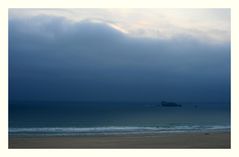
(156, 140)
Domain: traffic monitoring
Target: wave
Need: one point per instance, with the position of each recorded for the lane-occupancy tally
(114, 130)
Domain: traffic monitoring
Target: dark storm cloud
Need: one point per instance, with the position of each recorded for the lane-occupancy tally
(54, 59)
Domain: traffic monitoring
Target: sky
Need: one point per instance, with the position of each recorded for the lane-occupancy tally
(119, 55)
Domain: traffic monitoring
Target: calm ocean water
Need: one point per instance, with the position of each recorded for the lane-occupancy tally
(115, 118)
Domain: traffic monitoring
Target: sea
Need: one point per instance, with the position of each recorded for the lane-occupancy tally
(110, 118)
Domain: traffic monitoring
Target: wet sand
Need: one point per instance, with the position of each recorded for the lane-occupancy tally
(166, 140)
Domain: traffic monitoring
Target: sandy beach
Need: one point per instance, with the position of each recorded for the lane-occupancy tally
(166, 140)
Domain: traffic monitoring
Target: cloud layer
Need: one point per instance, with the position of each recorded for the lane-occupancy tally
(52, 58)
(210, 25)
